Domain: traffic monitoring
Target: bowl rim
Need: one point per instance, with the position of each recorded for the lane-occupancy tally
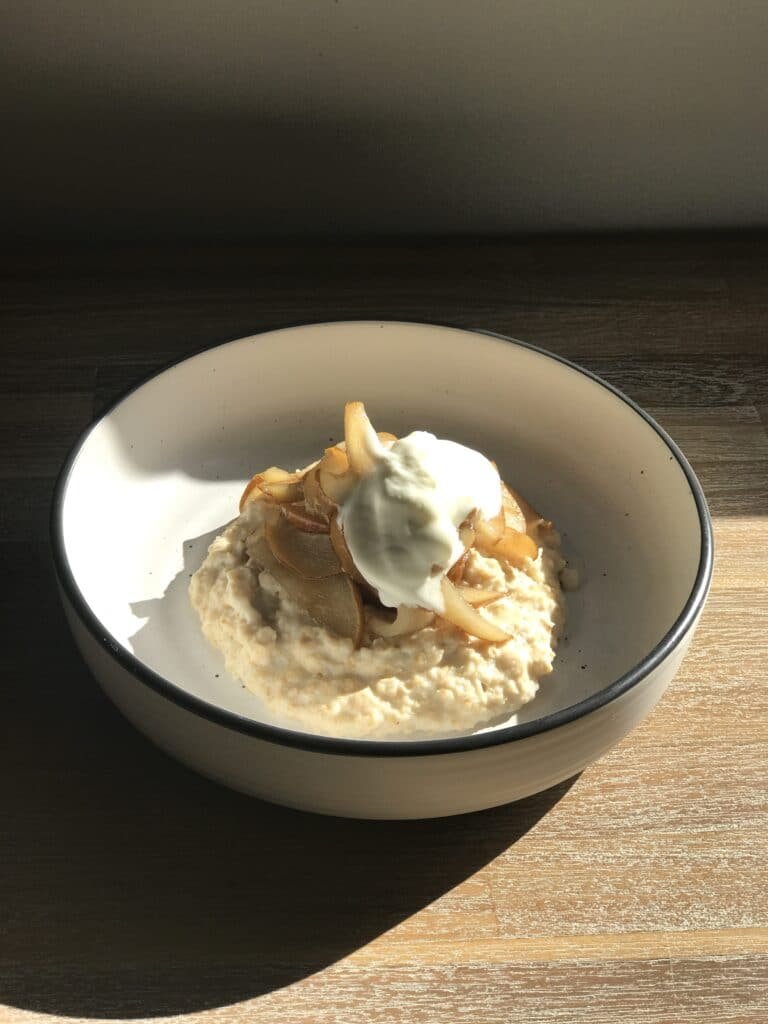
(370, 747)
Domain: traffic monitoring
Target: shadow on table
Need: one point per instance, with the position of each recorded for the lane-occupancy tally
(133, 888)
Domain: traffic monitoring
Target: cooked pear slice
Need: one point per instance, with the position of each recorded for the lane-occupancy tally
(343, 554)
(252, 492)
(516, 548)
(460, 614)
(535, 523)
(283, 491)
(477, 597)
(275, 473)
(489, 531)
(275, 484)
(333, 602)
(311, 555)
(361, 439)
(302, 518)
(336, 488)
(339, 545)
(514, 516)
(467, 535)
(336, 474)
(407, 620)
(383, 435)
(315, 497)
(456, 573)
(510, 545)
(528, 511)
(325, 489)
(335, 461)
(522, 518)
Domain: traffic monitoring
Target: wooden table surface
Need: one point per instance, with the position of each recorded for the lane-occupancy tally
(635, 893)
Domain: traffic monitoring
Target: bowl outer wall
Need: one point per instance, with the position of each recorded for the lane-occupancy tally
(374, 787)
(613, 709)
(609, 691)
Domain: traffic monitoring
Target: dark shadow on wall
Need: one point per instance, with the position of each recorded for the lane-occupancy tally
(156, 174)
(152, 175)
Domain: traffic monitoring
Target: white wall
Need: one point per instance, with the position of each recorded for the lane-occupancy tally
(234, 117)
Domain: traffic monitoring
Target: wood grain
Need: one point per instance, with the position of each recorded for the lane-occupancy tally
(130, 888)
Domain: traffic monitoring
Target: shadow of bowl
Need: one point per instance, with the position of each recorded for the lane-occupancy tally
(140, 889)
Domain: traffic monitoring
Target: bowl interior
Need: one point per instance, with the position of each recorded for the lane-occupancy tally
(157, 478)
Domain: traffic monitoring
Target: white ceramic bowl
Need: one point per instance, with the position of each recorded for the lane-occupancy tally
(152, 481)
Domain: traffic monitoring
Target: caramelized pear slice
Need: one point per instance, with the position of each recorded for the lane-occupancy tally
(456, 573)
(311, 555)
(534, 521)
(407, 620)
(302, 518)
(335, 461)
(275, 484)
(477, 597)
(339, 545)
(336, 488)
(341, 465)
(361, 439)
(383, 435)
(315, 497)
(489, 531)
(515, 548)
(283, 491)
(460, 614)
(333, 602)
(514, 516)
(467, 535)
(252, 492)
(275, 473)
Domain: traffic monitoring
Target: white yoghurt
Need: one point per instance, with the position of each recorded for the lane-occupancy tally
(401, 520)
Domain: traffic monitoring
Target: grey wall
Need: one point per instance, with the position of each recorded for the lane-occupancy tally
(231, 117)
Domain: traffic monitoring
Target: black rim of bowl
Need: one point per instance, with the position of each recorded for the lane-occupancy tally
(384, 748)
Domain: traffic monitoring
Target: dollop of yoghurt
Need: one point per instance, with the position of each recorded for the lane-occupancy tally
(401, 519)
